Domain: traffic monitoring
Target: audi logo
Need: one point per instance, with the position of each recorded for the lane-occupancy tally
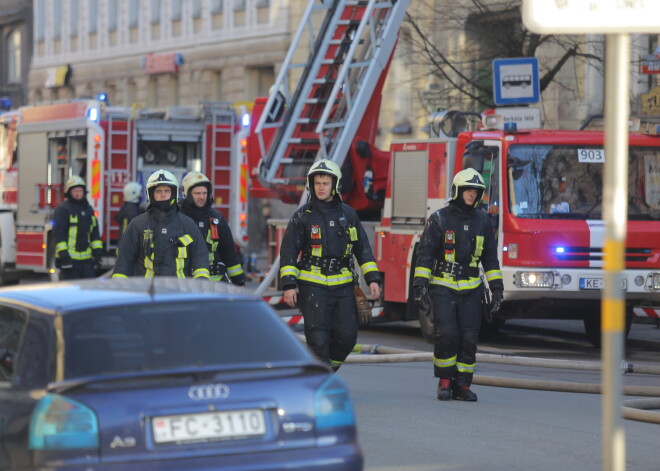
(207, 392)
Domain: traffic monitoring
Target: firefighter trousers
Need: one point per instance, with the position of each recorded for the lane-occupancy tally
(79, 269)
(331, 325)
(457, 318)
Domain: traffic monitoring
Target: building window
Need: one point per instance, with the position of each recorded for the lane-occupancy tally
(216, 6)
(93, 12)
(74, 14)
(239, 5)
(112, 15)
(57, 19)
(40, 19)
(155, 11)
(260, 80)
(14, 57)
(133, 13)
(176, 10)
(197, 8)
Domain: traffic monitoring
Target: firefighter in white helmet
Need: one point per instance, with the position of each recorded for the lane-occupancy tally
(455, 240)
(78, 246)
(198, 205)
(328, 234)
(130, 208)
(162, 241)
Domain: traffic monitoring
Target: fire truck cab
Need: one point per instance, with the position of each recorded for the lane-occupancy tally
(544, 194)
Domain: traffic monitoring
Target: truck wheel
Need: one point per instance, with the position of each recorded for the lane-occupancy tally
(592, 327)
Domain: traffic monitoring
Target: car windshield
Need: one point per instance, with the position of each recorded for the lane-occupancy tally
(157, 336)
(566, 182)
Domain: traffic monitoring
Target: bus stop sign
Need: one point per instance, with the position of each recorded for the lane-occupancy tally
(516, 81)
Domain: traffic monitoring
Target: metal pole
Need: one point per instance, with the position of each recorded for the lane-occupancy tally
(615, 211)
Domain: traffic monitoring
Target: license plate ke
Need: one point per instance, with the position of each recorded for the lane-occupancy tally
(597, 283)
(235, 424)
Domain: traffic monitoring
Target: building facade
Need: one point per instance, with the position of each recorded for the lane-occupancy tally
(15, 51)
(157, 52)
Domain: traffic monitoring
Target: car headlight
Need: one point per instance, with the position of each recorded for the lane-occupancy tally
(535, 279)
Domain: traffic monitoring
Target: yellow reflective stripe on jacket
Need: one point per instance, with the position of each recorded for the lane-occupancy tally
(148, 267)
(201, 273)
(289, 270)
(465, 368)
(96, 244)
(444, 362)
(459, 285)
(118, 275)
(186, 239)
(368, 267)
(317, 251)
(235, 270)
(422, 272)
(493, 275)
(180, 264)
(61, 246)
(73, 237)
(345, 276)
(478, 250)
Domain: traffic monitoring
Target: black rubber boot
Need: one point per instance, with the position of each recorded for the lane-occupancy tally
(463, 393)
(444, 389)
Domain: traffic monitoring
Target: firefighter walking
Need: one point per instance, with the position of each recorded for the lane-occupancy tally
(198, 205)
(78, 246)
(162, 241)
(455, 240)
(327, 234)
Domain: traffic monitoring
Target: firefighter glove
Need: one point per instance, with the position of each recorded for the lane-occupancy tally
(238, 280)
(496, 301)
(422, 298)
(362, 305)
(97, 258)
(218, 269)
(64, 262)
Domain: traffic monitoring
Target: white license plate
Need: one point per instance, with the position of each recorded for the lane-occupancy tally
(209, 426)
(597, 283)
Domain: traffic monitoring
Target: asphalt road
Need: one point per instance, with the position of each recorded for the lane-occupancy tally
(403, 427)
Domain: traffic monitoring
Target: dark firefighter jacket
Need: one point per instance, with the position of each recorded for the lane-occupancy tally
(328, 234)
(159, 243)
(219, 240)
(126, 214)
(76, 230)
(451, 247)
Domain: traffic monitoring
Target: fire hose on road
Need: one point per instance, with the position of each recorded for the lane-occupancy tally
(634, 409)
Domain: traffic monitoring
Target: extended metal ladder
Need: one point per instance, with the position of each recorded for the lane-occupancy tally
(349, 52)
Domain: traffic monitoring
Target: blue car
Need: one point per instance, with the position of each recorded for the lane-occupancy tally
(163, 374)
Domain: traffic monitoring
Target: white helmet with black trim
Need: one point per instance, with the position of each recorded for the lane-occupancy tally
(325, 167)
(192, 180)
(162, 177)
(132, 192)
(73, 182)
(468, 179)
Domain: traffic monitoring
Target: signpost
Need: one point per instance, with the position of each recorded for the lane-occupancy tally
(516, 81)
(617, 19)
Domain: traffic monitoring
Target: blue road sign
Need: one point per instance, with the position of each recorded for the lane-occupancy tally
(516, 81)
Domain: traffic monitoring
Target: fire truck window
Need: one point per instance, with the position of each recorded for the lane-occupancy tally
(553, 182)
(164, 154)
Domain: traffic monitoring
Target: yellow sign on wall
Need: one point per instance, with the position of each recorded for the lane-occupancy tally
(651, 102)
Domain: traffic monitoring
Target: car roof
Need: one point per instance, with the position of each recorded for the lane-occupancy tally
(106, 292)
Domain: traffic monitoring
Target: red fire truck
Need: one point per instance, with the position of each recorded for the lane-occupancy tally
(544, 188)
(42, 146)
